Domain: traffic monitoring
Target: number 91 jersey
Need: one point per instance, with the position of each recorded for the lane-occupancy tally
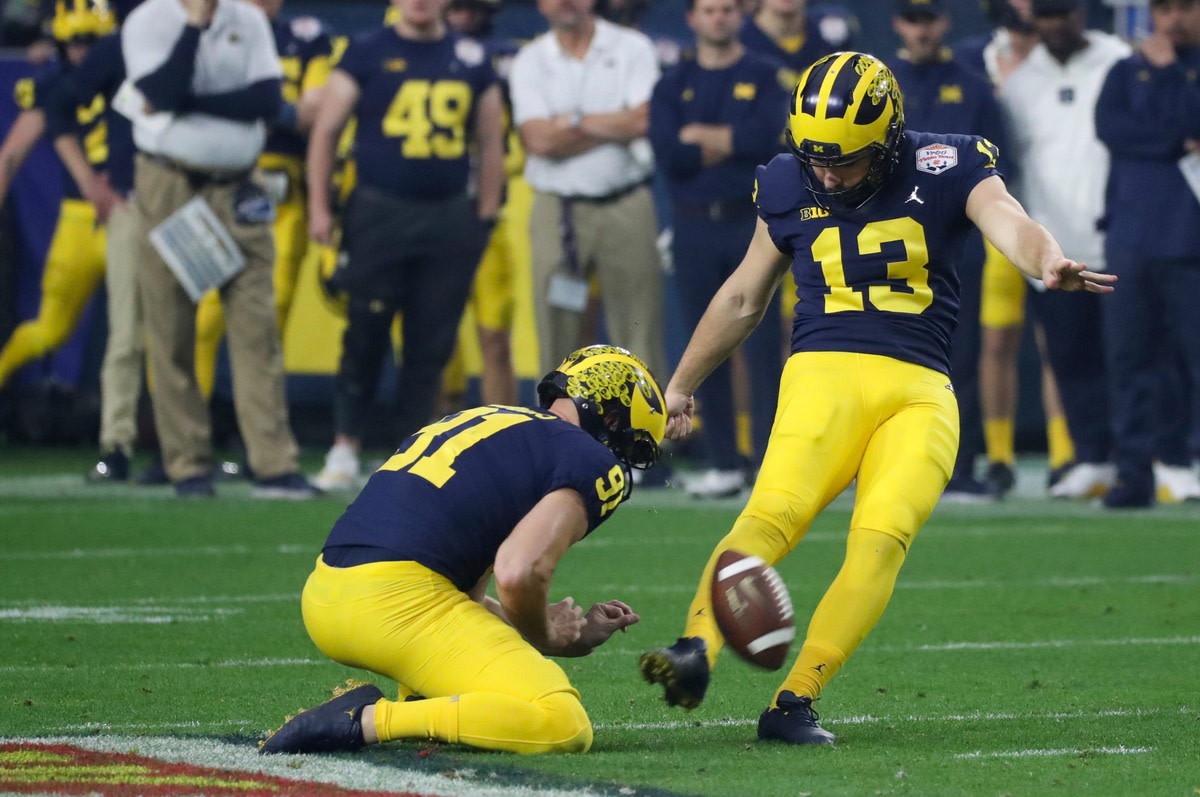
(881, 279)
(455, 490)
(416, 111)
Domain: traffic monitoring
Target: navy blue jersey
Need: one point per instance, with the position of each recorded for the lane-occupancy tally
(748, 95)
(101, 74)
(825, 33)
(416, 111)
(34, 93)
(948, 97)
(300, 42)
(1143, 115)
(881, 279)
(455, 490)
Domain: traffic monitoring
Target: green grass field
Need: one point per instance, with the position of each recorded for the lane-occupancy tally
(1031, 647)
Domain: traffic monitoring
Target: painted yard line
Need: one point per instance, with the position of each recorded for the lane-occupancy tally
(610, 651)
(870, 719)
(161, 665)
(1081, 581)
(1074, 752)
(1045, 643)
(140, 609)
(347, 773)
(84, 554)
(107, 615)
(724, 722)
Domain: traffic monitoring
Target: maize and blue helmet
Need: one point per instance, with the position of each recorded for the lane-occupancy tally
(846, 106)
(76, 20)
(619, 402)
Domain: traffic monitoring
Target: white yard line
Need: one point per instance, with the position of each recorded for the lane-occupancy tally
(870, 719)
(1073, 752)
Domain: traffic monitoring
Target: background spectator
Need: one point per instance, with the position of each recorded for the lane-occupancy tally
(1050, 100)
(713, 119)
(176, 54)
(413, 234)
(581, 100)
(1148, 116)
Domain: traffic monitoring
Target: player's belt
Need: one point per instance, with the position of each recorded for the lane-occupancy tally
(717, 210)
(197, 176)
(612, 196)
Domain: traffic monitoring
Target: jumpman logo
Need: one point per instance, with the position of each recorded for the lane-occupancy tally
(914, 198)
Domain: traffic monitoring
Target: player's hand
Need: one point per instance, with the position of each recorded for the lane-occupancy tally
(681, 408)
(200, 12)
(1067, 275)
(604, 620)
(100, 193)
(564, 625)
(320, 225)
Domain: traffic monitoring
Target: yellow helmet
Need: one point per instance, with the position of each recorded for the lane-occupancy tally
(846, 106)
(81, 19)
(618, 400)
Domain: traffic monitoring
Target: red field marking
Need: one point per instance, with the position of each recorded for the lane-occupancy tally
(27, 768)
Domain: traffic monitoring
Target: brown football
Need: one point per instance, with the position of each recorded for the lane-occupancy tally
(753, 609)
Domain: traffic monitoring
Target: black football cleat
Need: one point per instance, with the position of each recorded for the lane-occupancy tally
(112, 467)
(794, 722)
(1000, 479)
(682, 669)
(333, 726)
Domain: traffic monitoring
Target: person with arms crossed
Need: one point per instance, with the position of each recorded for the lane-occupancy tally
(865, 395)
(400, 586)
(713, 118)
(422, 96)
(1148, 116)
(1002, 307)
(211, 67)
(581, 99)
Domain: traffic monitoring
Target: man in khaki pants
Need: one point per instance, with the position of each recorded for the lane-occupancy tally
(210, 79)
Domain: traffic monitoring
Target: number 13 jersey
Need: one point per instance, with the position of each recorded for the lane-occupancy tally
(881, 279)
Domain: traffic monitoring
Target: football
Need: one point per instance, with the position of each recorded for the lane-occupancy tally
(753, 609)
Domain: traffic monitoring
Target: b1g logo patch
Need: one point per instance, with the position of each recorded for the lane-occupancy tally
(937, 158)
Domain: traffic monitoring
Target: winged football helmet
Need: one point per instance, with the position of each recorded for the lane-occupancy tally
(618, 400)
(846, 106)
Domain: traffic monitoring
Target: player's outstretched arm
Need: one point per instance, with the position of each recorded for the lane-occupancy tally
(1028, 245)
(732, 315)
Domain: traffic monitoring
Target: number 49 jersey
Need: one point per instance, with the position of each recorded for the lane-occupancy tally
(881, 279)
(455, 490)
(416, 111)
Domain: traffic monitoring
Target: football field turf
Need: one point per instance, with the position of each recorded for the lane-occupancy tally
(1031, 648)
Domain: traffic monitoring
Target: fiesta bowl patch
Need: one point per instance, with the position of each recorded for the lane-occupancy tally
(936, 158)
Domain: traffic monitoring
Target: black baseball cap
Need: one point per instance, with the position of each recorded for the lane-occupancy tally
(920, 8)
(1049, 8)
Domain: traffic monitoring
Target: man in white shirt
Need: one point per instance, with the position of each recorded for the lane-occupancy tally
(207, 80)
(1050, 100)
(581, 97)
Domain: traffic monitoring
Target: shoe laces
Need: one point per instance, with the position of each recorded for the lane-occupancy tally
(802, 707)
